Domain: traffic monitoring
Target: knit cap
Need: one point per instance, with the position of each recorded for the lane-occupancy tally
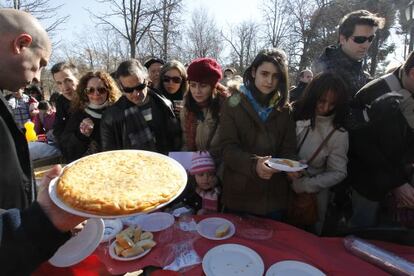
(205, 70)
(201, 162)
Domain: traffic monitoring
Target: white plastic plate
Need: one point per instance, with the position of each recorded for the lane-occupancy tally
(232, 259)
(80, 246)
(207, 228)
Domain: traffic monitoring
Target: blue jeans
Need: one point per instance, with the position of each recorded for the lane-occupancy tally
(365, 211)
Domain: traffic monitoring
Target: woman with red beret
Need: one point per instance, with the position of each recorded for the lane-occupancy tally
(199, 117)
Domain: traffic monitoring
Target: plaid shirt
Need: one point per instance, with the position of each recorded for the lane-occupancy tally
(20, 109)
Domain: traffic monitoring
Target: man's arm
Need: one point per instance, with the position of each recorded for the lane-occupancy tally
(32, 236)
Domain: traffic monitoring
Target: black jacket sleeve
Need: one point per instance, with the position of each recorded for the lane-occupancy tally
(73, 143)
(27, 239)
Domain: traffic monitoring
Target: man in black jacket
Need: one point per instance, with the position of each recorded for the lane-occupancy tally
(31, 236)
(381, 156)
(65, 75)
(356, 33)
(140, 119)
(305, 77)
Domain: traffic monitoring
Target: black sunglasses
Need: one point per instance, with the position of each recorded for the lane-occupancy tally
(139, 87)
(173, 79)
(361, 39)
(100, 90)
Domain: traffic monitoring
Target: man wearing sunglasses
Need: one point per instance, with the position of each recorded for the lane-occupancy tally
(356, 33)
(140, 119)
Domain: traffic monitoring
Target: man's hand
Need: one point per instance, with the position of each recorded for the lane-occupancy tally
(404, 195)
(60, 218)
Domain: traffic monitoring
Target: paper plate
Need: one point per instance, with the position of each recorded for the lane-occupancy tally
(112, 227)
(156, 221)
(80, 246)
(279, 164)
(69, 209)
(293, 268)
(232, 259)
(120, 258)
(207, 228)
(133, 220)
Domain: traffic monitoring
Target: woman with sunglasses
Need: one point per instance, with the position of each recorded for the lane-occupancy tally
(255, 124)
(200, 114)
(95, 92)
(173, 84)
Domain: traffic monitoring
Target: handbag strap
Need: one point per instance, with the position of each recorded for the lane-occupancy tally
(303, 139)
(321, 146)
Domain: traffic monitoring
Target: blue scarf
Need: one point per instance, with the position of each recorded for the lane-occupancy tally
(262, 111)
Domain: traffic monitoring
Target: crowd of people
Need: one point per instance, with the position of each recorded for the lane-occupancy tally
(354, 133)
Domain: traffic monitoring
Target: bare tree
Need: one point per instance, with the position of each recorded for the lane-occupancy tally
(203, 36)
(164, 32)
(276, 22)
(99, 50)
(131, 19)
(307, 19)
(43, 10)
(243, 42)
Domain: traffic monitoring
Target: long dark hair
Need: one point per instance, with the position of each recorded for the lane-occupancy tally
(279, 59)
(322, 83)
(214, 103)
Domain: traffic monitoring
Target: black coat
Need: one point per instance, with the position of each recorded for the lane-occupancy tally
(165, 126)
(334, 60)
(380, 154)
(74, 144)
(61, 118)
(17, 189)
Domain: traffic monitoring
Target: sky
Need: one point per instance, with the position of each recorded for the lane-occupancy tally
(222, 10)
(225, 13)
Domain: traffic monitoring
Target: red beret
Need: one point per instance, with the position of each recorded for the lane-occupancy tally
(205, 70)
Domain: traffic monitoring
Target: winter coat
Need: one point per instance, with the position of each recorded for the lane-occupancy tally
(329, 167)
(242, 137)
(17, 188)
(334, 60)
(166, 128)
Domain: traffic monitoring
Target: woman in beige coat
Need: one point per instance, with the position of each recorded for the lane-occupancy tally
(255, 124)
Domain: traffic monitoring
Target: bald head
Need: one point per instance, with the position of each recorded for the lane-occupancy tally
(15, 22)
(24, 49)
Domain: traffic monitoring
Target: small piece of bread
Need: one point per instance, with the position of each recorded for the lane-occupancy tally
(137, 234)
(288, 162)
(124, 241)
(222, 230)
(118, 249)
(146, 244)
(129, 232)
(147, 236)
(133, 251)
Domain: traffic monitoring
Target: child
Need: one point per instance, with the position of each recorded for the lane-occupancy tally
(203, 171)
(202, 193)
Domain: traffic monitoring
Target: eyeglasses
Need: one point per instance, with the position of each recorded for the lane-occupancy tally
(361, 39)
(100, 90)
(139, 87)
(173, 79)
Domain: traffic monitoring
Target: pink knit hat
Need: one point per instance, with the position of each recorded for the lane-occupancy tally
(201, 161)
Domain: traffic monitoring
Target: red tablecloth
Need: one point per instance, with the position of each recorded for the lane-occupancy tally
(272, 240)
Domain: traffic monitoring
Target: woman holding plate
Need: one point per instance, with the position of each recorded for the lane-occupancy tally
(256, 123)
(321, 137)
